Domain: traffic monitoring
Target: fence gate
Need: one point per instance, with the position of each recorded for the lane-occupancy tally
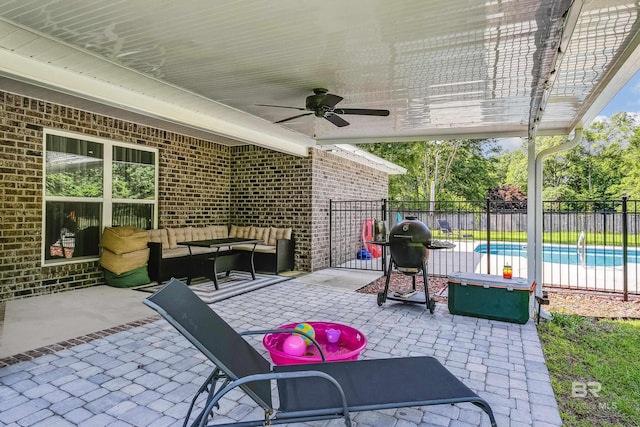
(351, 224)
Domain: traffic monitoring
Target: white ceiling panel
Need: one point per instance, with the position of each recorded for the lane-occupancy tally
(443, 68)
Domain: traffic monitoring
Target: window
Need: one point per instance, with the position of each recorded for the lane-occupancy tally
(91, 184)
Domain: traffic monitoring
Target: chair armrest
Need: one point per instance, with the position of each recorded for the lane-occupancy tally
(155, 261)
(285, 255)
(284, 245)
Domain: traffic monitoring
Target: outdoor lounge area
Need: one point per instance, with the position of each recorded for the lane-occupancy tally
(254, 113)
(145, 374)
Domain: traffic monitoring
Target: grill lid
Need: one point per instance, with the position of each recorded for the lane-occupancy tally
(408, 241)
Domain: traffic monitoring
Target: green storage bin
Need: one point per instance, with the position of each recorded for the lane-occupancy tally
(489, 297)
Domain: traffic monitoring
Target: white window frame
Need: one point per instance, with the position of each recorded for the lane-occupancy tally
(107, 199)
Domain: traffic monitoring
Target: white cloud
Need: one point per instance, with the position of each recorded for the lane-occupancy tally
(509, 144)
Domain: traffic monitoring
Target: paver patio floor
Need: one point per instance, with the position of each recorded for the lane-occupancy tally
(147, 375)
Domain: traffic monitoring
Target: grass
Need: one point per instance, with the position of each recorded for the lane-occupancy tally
(595, 369)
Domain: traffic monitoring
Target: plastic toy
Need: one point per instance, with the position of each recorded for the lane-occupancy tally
(363, 254)
(333, 335)
(294, 345)
(349, 345)
(307, 329)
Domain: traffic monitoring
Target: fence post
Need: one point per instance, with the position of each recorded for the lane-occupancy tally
(624, 249)
(384, 248)
(488, 236)
(384, 209)
(330, 233)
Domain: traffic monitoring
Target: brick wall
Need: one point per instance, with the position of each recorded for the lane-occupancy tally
(278, 189)
(194, 188)
(336, 178)
(194, 182)
(201, 183)
(273, 189)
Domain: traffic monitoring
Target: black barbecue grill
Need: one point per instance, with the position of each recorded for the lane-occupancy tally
(408, 243)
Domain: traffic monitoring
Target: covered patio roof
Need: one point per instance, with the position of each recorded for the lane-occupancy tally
(443, 68)
(223, 70)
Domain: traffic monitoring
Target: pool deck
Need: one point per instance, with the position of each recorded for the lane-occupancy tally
(146, 374)
(582, 278)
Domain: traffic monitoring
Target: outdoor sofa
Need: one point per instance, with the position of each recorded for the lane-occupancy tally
(167, 258)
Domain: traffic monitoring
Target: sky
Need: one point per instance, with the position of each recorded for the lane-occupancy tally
(627, 100)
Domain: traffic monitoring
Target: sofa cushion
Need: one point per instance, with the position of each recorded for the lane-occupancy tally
(121, 240)
(209, 232)
(178, 235)
(265, 249)
(240, 231)
(260, 233)
(176, 252)
(159, 236)
(201, 233)
(278, 234)
(259, 248)
(219, 231)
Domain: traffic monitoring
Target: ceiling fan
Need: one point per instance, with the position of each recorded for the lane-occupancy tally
(322, 104)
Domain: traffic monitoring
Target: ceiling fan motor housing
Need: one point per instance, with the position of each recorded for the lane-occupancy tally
(322, 104)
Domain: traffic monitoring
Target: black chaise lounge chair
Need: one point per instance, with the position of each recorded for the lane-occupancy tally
(447, 230)
(317, 391)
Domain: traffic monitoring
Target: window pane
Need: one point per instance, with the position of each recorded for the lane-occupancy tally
(74, 168)
(72, 230)
(133, 215)
(133, 174)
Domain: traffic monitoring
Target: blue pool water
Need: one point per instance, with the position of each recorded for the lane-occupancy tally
(594, 257)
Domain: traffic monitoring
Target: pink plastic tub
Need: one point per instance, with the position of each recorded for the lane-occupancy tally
(349, 346)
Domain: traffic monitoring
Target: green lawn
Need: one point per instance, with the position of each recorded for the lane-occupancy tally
(595, 369)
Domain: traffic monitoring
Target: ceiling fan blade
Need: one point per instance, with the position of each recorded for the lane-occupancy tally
(361, 111)
(336, 120)
(280, 106)
(331, 100)
(294, 117)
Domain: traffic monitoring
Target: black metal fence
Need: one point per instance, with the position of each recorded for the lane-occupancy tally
(591, 245)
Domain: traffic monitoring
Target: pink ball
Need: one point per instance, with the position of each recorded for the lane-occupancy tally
(294, 345)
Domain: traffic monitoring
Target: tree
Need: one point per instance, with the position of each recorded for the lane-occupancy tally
(629, 167)
(605, 164)
(460, 169)
(508, 197)
(80, 182)
(517, 169)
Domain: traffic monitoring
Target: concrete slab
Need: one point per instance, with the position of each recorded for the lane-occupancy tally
(48, 319)
(44, 320)
(342, 278)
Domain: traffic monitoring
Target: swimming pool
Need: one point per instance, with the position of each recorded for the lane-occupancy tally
(594, 257)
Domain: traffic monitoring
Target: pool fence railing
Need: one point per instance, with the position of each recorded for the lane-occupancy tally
(602, 234)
